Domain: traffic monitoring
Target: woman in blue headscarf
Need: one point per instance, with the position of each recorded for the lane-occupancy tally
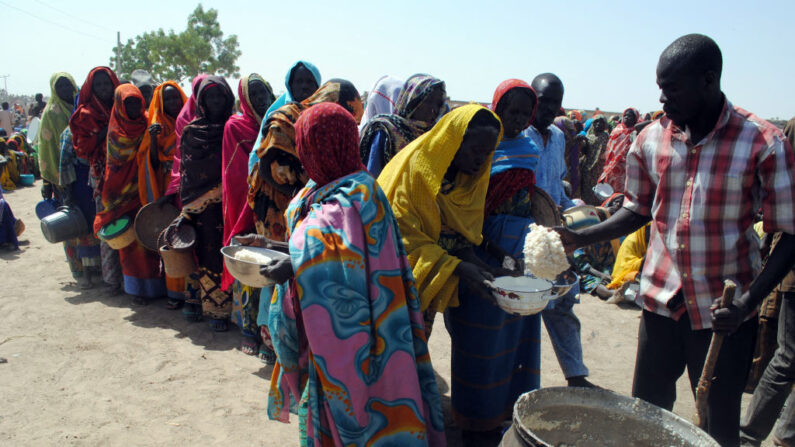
(301, 81)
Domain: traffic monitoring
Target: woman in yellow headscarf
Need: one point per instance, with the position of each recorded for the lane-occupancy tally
(437, 188)
(9, 171)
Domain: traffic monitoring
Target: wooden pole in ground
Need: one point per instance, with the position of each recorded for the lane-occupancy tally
(705, 382)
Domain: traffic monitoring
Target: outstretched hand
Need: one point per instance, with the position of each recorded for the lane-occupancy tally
(571, 239)
(279, 270)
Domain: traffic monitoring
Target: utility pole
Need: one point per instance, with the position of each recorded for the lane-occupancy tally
(5, 84)
(118, 52)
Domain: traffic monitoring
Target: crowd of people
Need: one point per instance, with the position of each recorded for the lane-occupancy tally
(400, 209)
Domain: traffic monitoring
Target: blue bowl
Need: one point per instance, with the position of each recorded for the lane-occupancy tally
(26, 179)
(46, 207)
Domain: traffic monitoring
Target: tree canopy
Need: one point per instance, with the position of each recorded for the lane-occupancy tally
(200, 48)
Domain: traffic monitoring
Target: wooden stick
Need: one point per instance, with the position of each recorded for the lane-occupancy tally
(705, 382)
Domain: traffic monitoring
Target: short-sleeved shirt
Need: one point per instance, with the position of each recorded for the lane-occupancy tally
(551, 170)
(702, 198)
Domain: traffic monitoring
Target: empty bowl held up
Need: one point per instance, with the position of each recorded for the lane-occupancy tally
(522, 295)
(247, 272)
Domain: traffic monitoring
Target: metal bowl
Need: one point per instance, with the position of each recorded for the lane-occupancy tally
(245, 271)
(595, 417)
(522, 295)
(564, 282)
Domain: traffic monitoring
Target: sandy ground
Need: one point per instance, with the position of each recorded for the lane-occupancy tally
(85, 368)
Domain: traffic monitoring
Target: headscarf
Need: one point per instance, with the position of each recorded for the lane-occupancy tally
(287, 97)
(151, 181)
(202, 146)
(278, 143)
(618, 145)
(185, 116)
(399, 128)
(87, 122)
(54, 120)
(326, 139)
(382, 98)
(140, 78)
(411, 182)
(120, 188)
(239, 135)
(514, 162)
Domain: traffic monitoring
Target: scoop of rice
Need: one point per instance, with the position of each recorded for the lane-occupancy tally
(544, 255)
(253, 256)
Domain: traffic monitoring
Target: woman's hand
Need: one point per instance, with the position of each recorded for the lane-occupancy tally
(475, 279)
(279, 270)
(155, 129)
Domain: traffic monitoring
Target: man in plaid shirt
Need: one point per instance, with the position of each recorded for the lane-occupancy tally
(700, 174)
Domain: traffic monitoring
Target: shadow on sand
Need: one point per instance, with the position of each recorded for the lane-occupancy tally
(155, 315)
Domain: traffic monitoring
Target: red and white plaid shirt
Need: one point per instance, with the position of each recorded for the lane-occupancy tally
(703, 198)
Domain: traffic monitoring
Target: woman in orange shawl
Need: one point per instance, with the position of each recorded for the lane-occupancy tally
(155, 159)
(89, 127)
(140, 267)
(156, 153)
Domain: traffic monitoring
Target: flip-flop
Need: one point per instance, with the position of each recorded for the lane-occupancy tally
(249, 345)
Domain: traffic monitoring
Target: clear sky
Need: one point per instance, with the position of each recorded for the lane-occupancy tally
(604, 51)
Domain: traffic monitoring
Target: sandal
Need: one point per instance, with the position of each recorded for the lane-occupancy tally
(218, 325)
(249, 345)
(266, 355)
(174, 304)
(192, 313)
(140, 301)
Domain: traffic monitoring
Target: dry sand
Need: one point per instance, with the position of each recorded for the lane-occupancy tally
(85, 368)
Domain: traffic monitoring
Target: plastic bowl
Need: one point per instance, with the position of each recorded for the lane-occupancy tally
(522, 295)
(26, 179)
(245, 271)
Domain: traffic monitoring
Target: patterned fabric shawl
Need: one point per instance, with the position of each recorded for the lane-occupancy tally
(202, 144)
(514, 162)
(120, 187)
(152, 182)
(399, 128)
(277, 149)
(87, 123)
(360, 373)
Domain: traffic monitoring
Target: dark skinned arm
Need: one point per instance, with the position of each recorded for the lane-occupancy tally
(621, 223)
(779, 263)
(154, 130)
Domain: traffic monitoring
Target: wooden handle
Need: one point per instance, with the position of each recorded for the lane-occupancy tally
(705, 382)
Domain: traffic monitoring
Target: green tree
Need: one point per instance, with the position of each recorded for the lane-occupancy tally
(201, 48)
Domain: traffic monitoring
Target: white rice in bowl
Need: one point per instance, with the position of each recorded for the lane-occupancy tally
(544, 255)
(253, 256)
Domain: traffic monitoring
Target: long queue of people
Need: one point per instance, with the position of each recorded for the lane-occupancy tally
(401, 210)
